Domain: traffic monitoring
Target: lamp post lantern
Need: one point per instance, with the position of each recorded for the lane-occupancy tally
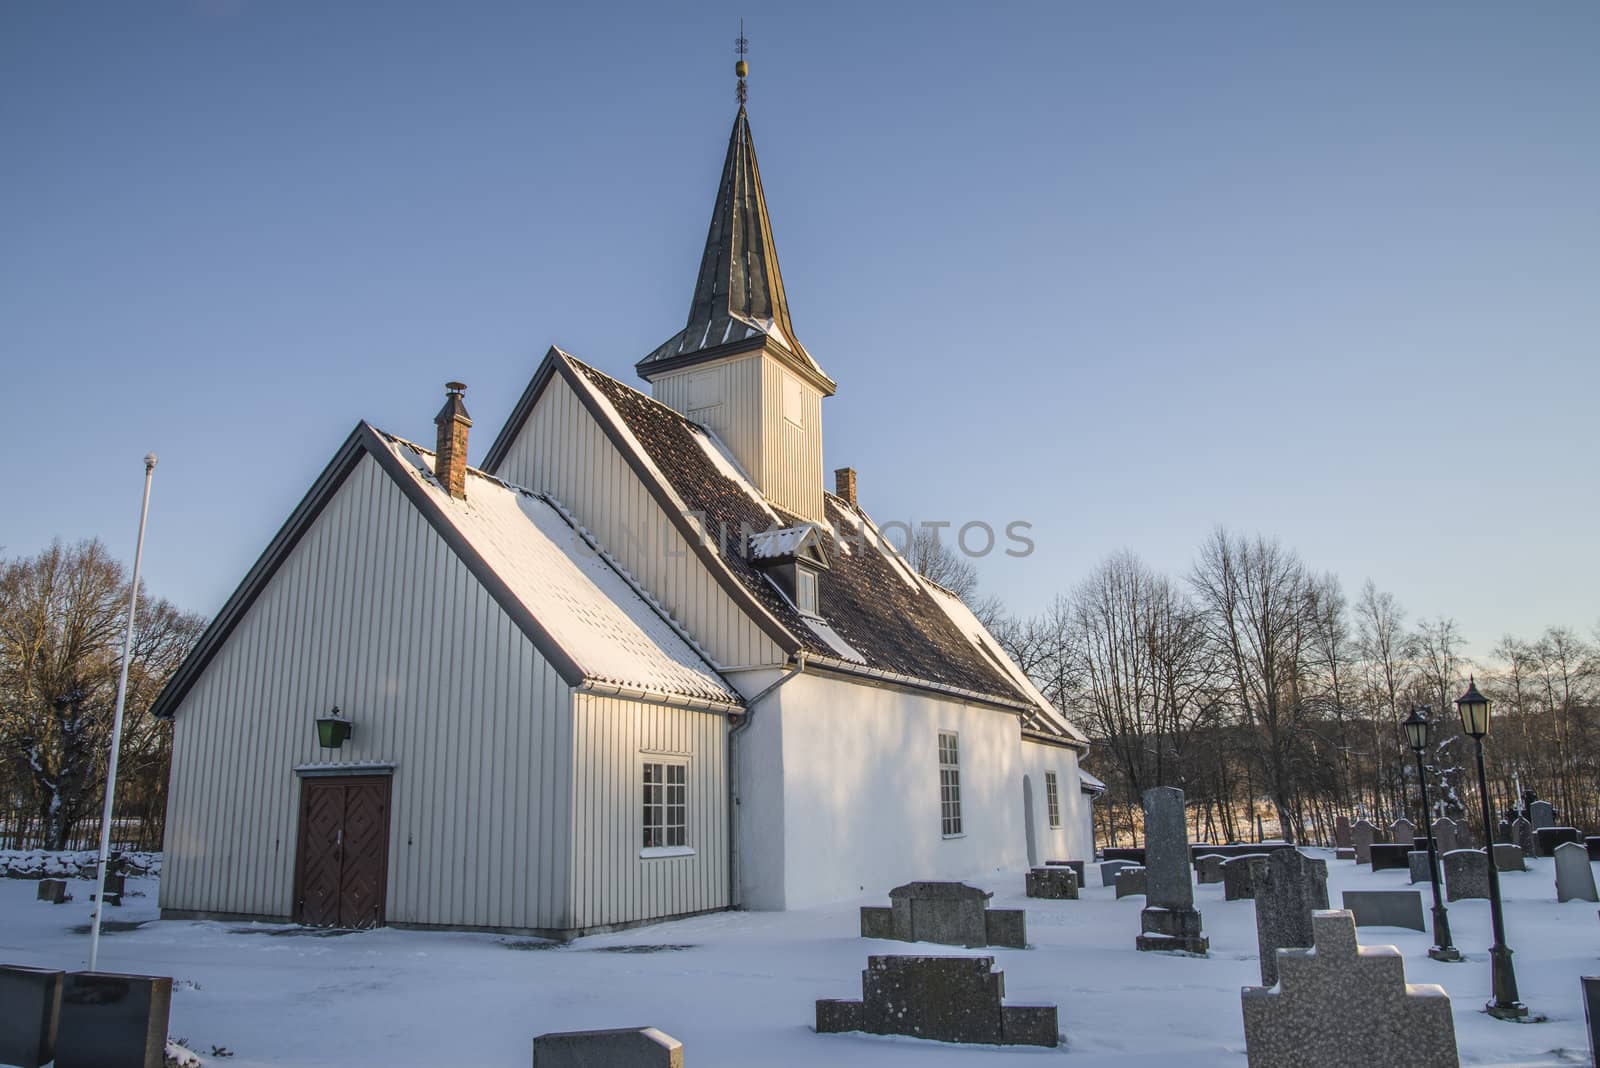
(1474, 709)
(1419, 729)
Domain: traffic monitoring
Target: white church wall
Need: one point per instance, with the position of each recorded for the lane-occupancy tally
(612, 882)
(860, 791)
(374, 613)
(1072, 840)
(791, 454)
(562, 451)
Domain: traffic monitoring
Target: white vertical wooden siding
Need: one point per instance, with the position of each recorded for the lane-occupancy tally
(372, 611)
(737, 419)
(611, 883)
(791, 473)
(562, 451)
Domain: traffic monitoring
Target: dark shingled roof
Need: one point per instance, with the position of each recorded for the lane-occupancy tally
(895, 626)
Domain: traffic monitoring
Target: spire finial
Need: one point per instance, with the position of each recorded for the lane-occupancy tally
(741, 68)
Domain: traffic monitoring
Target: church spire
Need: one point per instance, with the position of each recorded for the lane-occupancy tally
(739, 302)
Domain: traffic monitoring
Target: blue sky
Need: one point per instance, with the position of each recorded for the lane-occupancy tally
(1121, 271)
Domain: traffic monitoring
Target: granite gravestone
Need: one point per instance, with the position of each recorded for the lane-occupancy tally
(1109, 869)
(1169, 920)
(1466, 874)
(952, 914)
(53, 891)
(30, 1005)
(1341, 833)
(1341, 1005)
(1208, 869)
(113, 1021)
(1131, 881)
(1389, 856)
(1545, 839)
(1574, 877)
(1075, 865)
(1239, 874)
(1444, 834)
(1385, 908)
(948, 999)
(636, 1047)
(1402, 831)
(1364, 834)
(1057, 884)
(1522, 835)
(1542, 814)
(1509, 857)
(1593, 844)
(1420, 873)
(1591, 1013)
(1289, 887)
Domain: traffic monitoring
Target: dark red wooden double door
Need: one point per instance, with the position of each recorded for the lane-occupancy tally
(341, 873)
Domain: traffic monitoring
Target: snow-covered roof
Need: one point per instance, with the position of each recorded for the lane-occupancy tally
(779, 544)
(595, 615)
(1089, 782)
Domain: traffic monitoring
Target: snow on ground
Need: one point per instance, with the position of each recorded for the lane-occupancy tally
(739, 988)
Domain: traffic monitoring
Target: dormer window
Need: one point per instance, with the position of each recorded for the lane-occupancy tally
(805, 590)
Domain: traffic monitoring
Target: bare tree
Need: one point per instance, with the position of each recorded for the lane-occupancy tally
(935, 560)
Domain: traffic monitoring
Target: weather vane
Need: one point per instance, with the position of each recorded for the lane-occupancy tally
(741, 68)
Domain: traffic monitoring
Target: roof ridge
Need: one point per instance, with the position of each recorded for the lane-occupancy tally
(641, 394)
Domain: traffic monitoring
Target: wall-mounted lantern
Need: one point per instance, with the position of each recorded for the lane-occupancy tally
(332, 729)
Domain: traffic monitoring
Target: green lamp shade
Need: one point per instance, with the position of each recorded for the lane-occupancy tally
(332, 730)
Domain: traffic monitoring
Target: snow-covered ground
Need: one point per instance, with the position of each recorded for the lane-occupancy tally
(739, 988)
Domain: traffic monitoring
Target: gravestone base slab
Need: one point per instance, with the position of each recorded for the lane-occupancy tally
(1165, 929)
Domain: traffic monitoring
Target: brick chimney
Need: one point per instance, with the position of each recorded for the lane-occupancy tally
(450, 461)
(844, 484)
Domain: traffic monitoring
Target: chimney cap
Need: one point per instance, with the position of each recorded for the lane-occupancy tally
(456, 387)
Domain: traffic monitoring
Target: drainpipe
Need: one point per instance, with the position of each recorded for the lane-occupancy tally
(797, 666)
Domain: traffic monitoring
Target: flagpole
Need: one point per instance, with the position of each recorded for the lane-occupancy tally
(116, 721)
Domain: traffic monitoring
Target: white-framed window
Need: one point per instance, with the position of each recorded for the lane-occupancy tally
(794, 400)
(805, 590)
(665, 807)
(949, 784)
(1052, 798)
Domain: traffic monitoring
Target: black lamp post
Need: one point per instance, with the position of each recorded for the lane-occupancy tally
(1474, 709)
(1419, 729)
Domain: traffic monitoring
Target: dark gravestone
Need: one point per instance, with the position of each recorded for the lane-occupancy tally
(1591, 1013)
(1542, 814)
(1238, 876)
(1288, 888)
(54, 891)
(951, 914)
(1466, 874)
(1419, 866)
(1385, 908)
(113, 1021)
(1075, 865)
(1574, 876)
(1059, 884)
(1592, 843)
(1547, 838)
(1208, 869)
(1509, 857)
(1444, 834)
(1169, 920)
(1131, 881)
(948, 999)
(629, 1047)
(1343, 853)
(1390, 856)
(114, 890)
(1522, 835)
(1109, 869)
(1129, 854)
(1503, 833)
(1341, 833)
(1341, 1005)
(1363, 834)
(30, 1003)
(1401, 831)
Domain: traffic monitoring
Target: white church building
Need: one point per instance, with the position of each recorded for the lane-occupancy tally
(638, 664)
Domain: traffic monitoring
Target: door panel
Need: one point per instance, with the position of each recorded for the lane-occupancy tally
(343, 855)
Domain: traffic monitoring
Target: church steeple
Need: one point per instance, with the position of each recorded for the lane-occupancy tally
(739, 302)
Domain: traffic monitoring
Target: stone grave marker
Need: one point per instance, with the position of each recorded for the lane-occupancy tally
(952, 914)
(31, 1002)
(1208, 869)
(1466, 874)
(1363, 834)
(1444, 834)
(1522, 835)
(1574, 877)
(1131, 854)
(1389, 856)
(948, 999)
(1289, 887)
(1591, 1013)
(1109, 869)
(1341, 833)
(1542, 814)
(1402, 831)
(1059, 884)
(1592, 842)
(53, 891)
(1169, 920)
(1238, 876)
(1341, 1005)
(1418, 859)
(627, 1047)
(1344, 853)
(1545, 839)
(1131, 881)
(1075, 865)
(1385, 908)
(113, 1021)
(1509, 857)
